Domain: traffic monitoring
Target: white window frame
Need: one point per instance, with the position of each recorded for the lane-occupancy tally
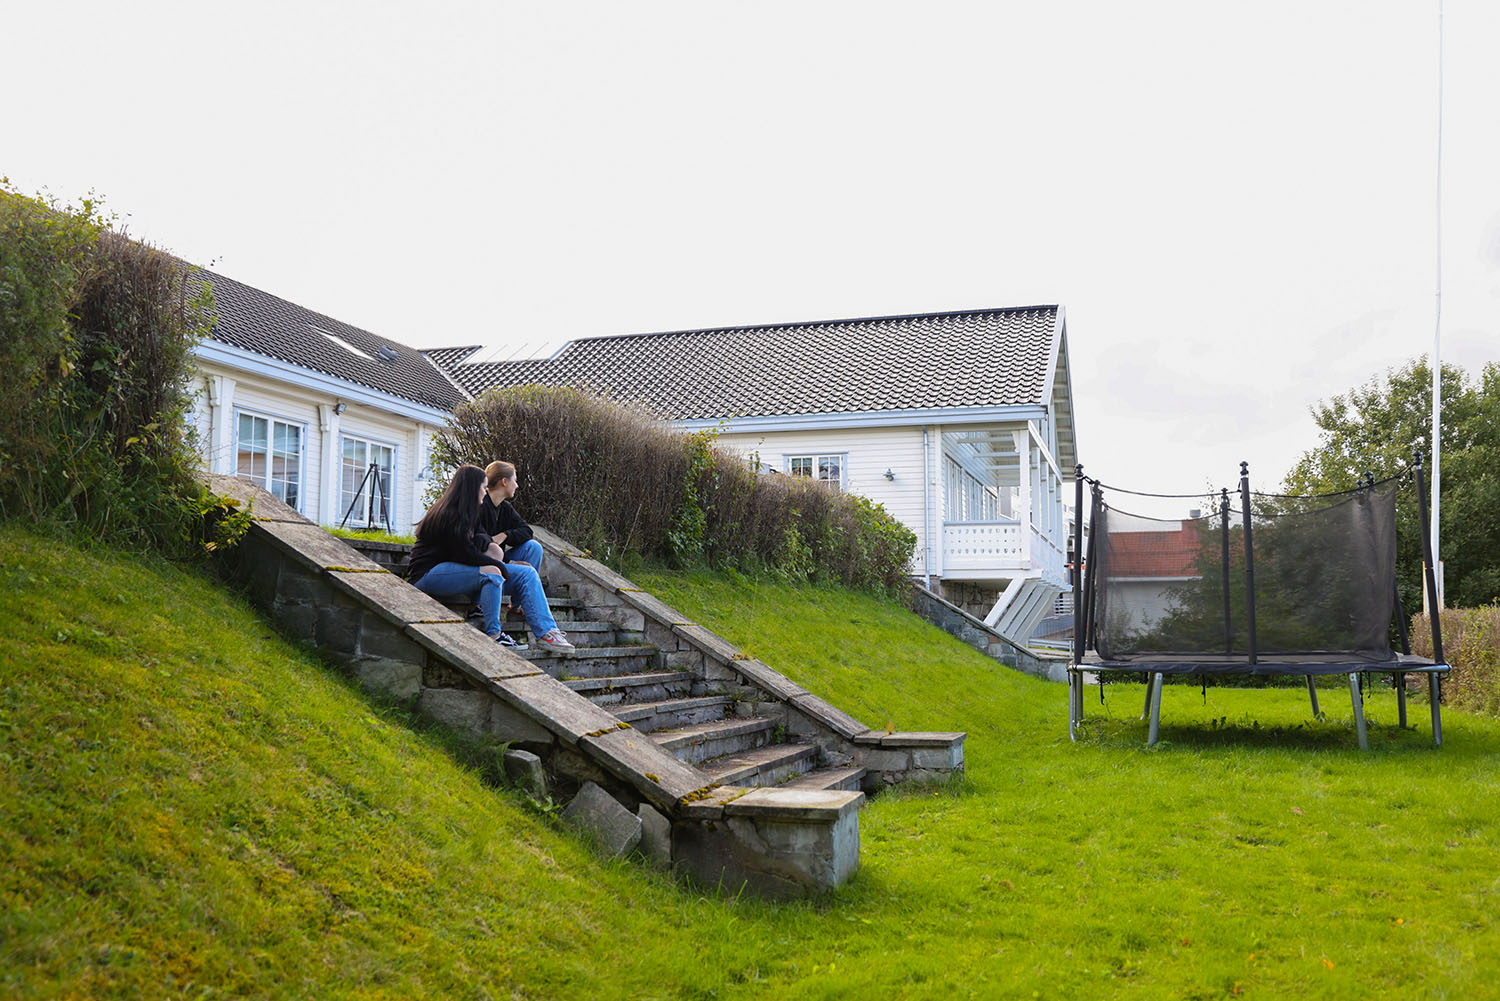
(363, 519)
(814, 459)
(271, 421)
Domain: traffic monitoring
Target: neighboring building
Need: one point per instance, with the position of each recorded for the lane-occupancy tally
(960, 424)
(1149, 562)
(330, 418)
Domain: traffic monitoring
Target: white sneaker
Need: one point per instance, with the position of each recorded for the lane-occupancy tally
(555, 640)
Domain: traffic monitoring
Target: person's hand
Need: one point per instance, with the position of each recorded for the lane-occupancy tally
(501, 537)
(495, 552)
(519, 563)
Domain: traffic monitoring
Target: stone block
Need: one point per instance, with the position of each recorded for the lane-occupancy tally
(709, 804)
(597, 573)
(643, 764)
(441, 674)
(298, 584)
(298, 621)
(525, 770)
(461, 709)
(570, 764)
(652, 607)
(656, 836)
(390, 597)
(379, 638)
(315, 549)
(767, 678)
(623, 618)
(337, 630)
(835, 719)
(261, 503)
(394, 679)
(661, 636)
(509, 724)
(683, 660)
(773, 804)
(555, 706)
(777, 859)
(469, 650)
(707, 640)
(881, 760)
(599, 815)
(945, 759)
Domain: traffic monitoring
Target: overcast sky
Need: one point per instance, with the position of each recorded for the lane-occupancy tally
(1235, 203)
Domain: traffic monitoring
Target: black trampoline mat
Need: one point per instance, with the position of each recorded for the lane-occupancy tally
(1266, 665)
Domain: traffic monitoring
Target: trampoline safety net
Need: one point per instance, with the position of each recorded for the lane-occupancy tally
(1323, 570)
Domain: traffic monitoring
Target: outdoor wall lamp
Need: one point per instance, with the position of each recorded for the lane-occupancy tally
(340, 407)
(889, 475)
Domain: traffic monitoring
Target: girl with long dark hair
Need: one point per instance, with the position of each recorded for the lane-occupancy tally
(449, 562)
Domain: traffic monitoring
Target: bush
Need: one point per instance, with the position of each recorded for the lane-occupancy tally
(96, 332)
(1471, 644)
(616, 479)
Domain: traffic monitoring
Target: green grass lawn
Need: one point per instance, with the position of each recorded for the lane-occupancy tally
(190, 806)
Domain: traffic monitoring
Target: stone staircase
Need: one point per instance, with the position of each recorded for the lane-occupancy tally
(665, 740)
(695, 720)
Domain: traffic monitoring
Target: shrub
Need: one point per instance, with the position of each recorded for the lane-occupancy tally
(616, 479)
(1471, 644)
(97, 334)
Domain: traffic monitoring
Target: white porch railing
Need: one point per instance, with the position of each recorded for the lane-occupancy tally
(975, 548)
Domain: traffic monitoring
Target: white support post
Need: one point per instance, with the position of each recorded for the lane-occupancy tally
(329, 492)
(1027, 514)
(221, 424)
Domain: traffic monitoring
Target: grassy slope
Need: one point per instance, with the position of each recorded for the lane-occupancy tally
(1267, 854)
(191, 806)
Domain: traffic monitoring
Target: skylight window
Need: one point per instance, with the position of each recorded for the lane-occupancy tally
(344, 344)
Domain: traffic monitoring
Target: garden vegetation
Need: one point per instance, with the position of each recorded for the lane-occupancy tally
(96, 332)
(615, 479)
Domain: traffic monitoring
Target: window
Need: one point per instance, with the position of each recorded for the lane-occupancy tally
(269, 452)
(365, 497)
(828, 468)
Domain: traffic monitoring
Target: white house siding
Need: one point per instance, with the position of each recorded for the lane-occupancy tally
(870, 451)
(313, 411)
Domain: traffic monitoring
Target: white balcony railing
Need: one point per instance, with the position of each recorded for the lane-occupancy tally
(976, 547)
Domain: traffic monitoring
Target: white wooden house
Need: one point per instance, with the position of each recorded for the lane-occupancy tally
(330, 418)
(960, 424)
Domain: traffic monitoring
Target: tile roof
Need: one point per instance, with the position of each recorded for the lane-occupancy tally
(1152, 555)
(256, 321)
(977, 358)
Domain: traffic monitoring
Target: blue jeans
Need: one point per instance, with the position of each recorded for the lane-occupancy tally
(461, 582)
(524, 585)
(529, 551)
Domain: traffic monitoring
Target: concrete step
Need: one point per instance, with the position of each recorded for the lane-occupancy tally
(581, 632)
(823, 779)
(695, 744)
(763, 766)
(647, 686)
(592, 662)
(673, 714)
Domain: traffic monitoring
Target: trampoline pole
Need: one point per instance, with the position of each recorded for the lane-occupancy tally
(1155, 710)
(1435, 696)
(1224, 525)
(1399, 680)
(1312, 693)
(1077, 563)
(1359, 711)
(1249, 557)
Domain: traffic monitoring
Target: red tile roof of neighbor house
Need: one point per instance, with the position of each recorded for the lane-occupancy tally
(1146, 555)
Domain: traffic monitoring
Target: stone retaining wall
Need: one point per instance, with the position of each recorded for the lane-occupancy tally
(971, 630)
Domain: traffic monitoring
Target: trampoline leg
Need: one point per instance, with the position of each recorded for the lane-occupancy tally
(1435, 696)
(1146, 707)
(1155, 697)
(1399, 680)
(1073, 700)
(1359, 712)
(1312, 693)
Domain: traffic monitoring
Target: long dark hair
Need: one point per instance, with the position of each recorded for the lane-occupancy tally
(452, 516)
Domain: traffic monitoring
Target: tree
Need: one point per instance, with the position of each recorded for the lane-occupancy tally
(1379, 426)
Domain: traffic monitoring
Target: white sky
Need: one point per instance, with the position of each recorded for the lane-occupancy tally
(1234, 202)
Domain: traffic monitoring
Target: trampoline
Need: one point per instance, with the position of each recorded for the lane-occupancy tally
(1277, 585)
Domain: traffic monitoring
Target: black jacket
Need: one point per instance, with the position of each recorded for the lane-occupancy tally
(503, 518)
(467, 549)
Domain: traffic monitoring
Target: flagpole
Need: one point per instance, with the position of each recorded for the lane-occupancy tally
(1437, 338)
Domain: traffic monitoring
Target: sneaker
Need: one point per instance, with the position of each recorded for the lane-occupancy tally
(555, 640)
(507, 640)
